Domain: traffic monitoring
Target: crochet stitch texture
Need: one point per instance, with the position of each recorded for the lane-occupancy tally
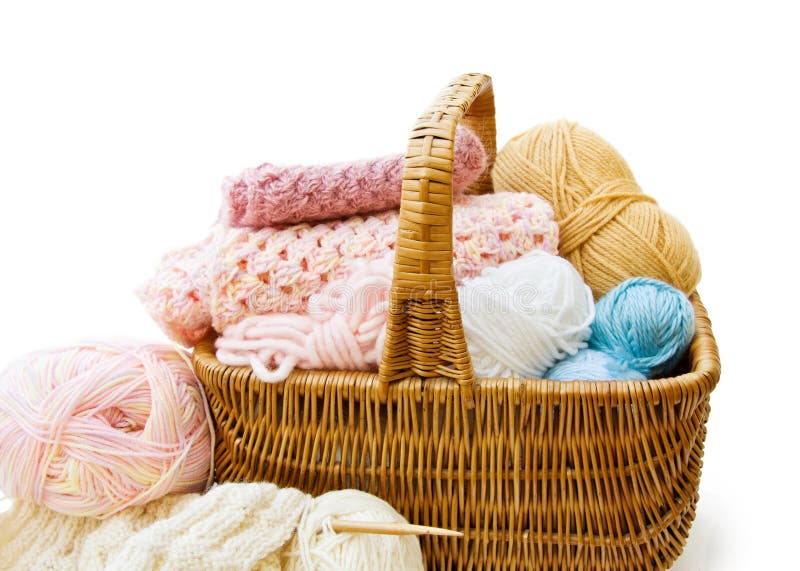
(236, 273)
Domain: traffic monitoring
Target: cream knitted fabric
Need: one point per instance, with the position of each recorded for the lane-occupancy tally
(233, 526)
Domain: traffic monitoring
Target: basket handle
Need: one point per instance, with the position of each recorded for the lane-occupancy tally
(424, 334)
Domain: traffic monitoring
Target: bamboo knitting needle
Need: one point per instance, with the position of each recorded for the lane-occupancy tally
(390, 528)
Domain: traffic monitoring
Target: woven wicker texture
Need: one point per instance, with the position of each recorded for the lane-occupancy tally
(424, 335)
(538, 474)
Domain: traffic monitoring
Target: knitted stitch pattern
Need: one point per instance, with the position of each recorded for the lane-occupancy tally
(237, 273)
(270, 194)
(234, 526)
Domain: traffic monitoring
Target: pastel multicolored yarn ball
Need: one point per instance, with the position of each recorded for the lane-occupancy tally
(93, 429)
(644, 324)
(592, 365)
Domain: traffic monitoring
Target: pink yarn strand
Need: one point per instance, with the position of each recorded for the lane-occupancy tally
(345, 330)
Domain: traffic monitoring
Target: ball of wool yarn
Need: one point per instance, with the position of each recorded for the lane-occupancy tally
(316, 546)
(522, 317)
(92, 429)
(645, 324)
(592, 365)
(610, 230)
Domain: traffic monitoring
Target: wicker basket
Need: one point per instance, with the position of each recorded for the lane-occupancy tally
(538, 474)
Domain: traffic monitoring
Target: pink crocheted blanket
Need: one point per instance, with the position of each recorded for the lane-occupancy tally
(269, 194)
(236, 273)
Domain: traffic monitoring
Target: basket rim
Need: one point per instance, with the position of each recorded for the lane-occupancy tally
(698, 382)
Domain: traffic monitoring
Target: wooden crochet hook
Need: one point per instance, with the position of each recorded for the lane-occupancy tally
(389, 528)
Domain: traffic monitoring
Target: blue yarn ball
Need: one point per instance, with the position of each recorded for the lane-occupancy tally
(592, 365)
(645, 324)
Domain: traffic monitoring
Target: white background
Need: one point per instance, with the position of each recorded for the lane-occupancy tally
(117, 124)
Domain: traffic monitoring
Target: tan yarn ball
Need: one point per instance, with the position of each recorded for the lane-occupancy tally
(610, 230)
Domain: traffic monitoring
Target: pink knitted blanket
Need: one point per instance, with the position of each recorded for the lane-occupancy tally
(236, 273)
(269, 195)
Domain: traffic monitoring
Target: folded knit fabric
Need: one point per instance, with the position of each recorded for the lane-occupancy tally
(231, 527)
(269, 194)
(237, 526)
(237, 273)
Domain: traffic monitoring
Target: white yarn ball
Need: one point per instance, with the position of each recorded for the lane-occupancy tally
(522, 317)
(316, 546)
